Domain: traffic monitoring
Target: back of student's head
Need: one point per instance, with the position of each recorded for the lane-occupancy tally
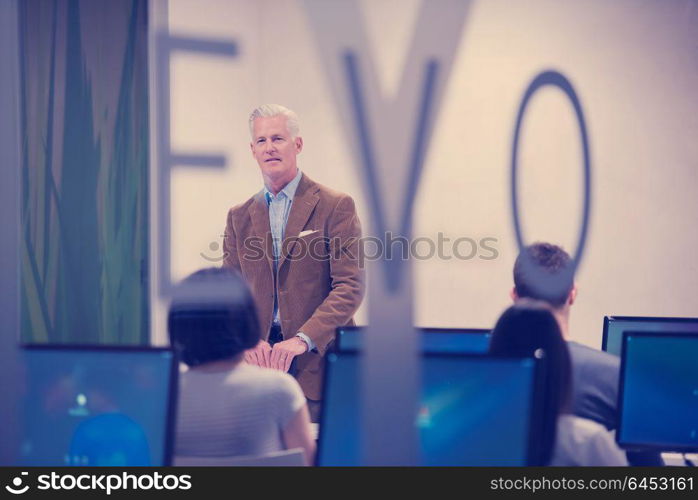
(212, 317)
(543, 271)
(529, 329)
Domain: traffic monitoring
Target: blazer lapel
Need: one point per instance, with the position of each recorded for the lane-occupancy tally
(259, 213)
(303, 204)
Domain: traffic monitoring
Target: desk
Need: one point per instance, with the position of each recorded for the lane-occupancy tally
(676, 459)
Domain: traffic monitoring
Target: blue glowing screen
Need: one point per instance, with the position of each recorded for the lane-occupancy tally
(660, 392)
(474, 410)
(465, 341)
(616, 327)
(95, 407)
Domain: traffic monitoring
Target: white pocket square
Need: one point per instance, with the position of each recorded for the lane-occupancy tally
(307, 232)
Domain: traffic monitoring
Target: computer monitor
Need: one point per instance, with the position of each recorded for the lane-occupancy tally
(658, 392)
(433, 340)
(614, 326)
(474, 410)
(97, 405)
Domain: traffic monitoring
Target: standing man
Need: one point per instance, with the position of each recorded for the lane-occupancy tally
(296, 244)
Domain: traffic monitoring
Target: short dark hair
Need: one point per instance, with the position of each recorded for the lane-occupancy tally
(522, 330)
(547, 260)
(203, 330)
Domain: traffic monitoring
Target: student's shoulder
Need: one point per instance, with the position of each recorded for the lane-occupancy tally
(594, 358)
(594, 444)
(266, 378)
(582, 427)
(578, 432)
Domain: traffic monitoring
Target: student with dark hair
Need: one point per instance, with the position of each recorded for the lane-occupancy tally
(529, 329)
(228, 407)
(595, 374)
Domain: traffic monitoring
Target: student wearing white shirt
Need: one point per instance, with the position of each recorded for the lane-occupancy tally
(522, 330)
(227, 407)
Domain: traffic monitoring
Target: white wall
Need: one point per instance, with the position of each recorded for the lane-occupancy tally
(634, 65)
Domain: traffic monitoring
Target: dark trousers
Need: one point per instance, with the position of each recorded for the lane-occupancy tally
(314, 410)
(275, 336)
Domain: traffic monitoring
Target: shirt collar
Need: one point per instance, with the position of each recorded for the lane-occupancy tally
(289, 189)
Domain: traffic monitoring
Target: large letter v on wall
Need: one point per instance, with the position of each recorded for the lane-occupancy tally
(390, 136)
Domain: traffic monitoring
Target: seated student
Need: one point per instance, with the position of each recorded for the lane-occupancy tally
(595, 373)
(226, 406)
(568, 440)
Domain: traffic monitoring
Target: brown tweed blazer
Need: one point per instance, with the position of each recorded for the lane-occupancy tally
(320, 283)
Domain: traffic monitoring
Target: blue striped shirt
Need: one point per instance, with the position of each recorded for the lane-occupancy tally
(279, 208)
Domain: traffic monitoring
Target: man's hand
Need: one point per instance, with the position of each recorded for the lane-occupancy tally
(259, 355)
(283, 353)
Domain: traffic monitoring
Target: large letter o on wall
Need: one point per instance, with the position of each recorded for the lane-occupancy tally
(545, 284)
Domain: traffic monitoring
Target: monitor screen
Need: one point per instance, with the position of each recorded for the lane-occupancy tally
(614, 326)
(97, 406)
(465, 414)
(659, 391)
(434, 340)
